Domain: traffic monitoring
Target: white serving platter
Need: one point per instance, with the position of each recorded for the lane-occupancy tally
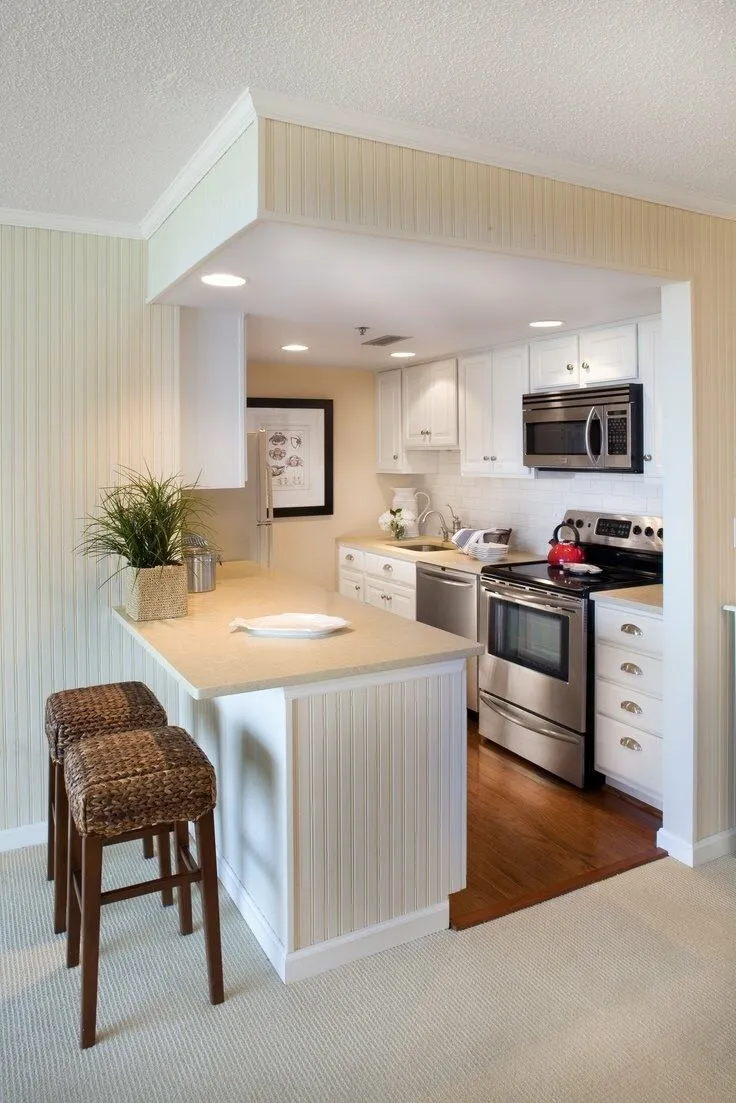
(582, 568)
(291, 625)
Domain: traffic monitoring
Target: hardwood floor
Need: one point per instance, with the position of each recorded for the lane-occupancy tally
(532, 837)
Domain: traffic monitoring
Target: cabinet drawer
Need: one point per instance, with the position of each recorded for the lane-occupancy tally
(627, 706)
(630, 756)
(351, 585)
(400, 600)
(351, 558)
(635, 632)
(392, 570)
(637, 673)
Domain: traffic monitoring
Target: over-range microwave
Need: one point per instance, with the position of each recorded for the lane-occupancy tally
(591, 429)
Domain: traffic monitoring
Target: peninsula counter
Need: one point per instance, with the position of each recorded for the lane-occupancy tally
(341, 765)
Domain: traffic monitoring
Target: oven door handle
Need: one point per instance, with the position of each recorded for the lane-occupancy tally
(527, 720)
(593, 412)
(541, 607)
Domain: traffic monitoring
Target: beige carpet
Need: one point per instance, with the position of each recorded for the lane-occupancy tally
(622, 991)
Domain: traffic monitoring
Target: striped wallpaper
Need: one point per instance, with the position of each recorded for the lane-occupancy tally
(88, 381)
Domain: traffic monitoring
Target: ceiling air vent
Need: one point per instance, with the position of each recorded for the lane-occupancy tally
(387, 339)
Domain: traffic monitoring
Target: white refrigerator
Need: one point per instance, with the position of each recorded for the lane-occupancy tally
(241, 521)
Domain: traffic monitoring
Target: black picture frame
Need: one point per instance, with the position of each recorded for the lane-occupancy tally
(314, 420)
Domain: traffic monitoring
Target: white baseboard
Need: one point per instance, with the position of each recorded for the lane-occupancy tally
(698, 854)
(15, 838)
(300, 964)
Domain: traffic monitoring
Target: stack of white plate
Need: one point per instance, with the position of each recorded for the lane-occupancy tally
(488, 553)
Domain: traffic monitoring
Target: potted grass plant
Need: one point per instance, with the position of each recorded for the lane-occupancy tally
(144, 521)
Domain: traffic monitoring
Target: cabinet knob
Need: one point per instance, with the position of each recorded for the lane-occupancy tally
(494, 458)
(387, 567)
(648, 456)
(632, 668)
(632, 629)
(357, 585)
(570, 367)
(486, 458)
(629, 743)
(349, 558)
(631, 706)
(388, 597)
(396, 455)
(585, 365)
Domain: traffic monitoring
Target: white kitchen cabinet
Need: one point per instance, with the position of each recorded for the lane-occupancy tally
(628, 699)
(650, 360)
(391, 458)
(490, 386)
(212, 397)
(590, 358)
(401, 600)
(430, 405)
(350, 584)
(385, 581)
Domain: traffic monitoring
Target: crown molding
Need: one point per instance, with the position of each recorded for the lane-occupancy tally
(240, 116)
(69, 223)
(358, 124)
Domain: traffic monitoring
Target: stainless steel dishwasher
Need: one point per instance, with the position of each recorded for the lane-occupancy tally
(448, 599)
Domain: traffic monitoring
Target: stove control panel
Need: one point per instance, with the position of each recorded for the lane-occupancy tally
(617, 530)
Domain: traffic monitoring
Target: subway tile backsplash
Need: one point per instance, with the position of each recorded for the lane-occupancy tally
(532, 507)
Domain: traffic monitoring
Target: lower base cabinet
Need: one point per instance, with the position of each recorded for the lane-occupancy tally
(628, 699)
(383, 581)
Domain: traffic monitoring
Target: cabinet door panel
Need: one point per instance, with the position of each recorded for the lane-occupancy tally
(475, 394)
(554, 363)
(650, 357)
(389, 449)
(441, 381)
(610, 354)
(509, 381)
(416, 415)
(351, 585)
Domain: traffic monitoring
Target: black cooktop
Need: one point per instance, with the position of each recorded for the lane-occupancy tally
(542, 575)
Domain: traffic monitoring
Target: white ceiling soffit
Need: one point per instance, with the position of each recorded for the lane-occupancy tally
(314, 287)
(103, 104)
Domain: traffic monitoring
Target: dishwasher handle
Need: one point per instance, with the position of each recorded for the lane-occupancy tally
(448, 577)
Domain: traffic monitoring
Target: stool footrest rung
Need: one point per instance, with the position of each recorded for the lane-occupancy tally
(142, 888)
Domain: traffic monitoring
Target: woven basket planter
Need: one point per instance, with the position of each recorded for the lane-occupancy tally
(157, 593)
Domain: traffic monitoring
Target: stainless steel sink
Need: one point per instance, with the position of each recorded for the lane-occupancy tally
(423, 547)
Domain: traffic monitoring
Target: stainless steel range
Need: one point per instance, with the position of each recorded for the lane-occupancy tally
(536, 677)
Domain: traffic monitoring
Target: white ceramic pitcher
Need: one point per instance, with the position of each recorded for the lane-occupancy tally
(406, 497)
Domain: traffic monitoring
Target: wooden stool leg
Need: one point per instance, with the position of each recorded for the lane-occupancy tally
(210, 904)
(61, 811)
(184, 893)
(148, 846)
(50, 829)
(91, 889)
(164, 866)
(73, 914)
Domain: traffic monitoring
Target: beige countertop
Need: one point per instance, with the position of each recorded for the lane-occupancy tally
(449, 557)
(648, 598)
(210, 661)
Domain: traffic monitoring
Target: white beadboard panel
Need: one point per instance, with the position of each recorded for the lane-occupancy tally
(367, 185)
(379, 803)
(222, 204)
(88, 382)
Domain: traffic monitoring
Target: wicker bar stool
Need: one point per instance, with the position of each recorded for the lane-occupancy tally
(120, 786)
(74, 714)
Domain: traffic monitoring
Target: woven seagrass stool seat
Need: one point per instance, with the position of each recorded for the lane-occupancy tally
(120, 786)
(74, 714)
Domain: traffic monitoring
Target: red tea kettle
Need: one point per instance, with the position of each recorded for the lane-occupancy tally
(565, 551)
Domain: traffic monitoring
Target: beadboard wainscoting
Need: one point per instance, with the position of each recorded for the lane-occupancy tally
(532, 507)
(88, 382)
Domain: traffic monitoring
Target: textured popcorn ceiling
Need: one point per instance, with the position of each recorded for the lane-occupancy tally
(103, 101)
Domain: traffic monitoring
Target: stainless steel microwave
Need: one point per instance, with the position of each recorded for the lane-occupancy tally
(590, 429)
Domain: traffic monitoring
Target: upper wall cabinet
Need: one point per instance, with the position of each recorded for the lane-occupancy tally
(390, 455)
(430, 405)
(650, 344)
(586, 359)
(490, 388)
(212, 397)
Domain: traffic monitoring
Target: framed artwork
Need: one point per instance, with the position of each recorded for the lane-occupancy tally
(299, 452)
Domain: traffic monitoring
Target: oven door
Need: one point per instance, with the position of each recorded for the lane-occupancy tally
(536, 651)
(568, 437)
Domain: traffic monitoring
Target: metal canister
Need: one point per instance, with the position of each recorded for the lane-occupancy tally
(201, 567)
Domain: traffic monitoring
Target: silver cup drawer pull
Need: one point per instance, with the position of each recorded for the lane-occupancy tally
(631, 706)
(349, 557)
(387, 567)
(629, 743)
(631, 629)
(632, 668)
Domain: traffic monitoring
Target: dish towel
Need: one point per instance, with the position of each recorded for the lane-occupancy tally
(463, 537)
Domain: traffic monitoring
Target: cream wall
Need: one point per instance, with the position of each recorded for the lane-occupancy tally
(88, 381)
(312, 177)
(306, 545)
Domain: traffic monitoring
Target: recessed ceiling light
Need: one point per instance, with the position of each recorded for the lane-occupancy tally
(223, 279)
(295, 348)
(545, 325)
(402, 355)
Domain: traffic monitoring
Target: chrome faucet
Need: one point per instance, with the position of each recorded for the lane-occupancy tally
(444, 531)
